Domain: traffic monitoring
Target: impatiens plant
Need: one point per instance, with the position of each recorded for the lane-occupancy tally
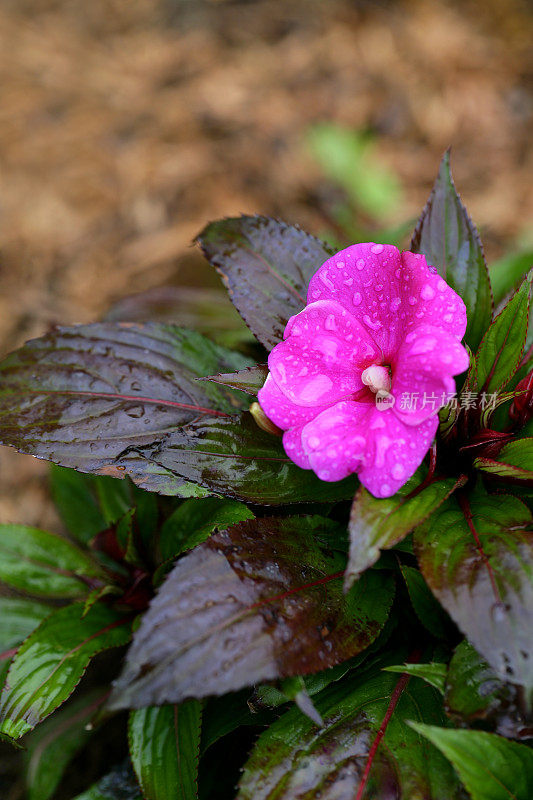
(300, 568)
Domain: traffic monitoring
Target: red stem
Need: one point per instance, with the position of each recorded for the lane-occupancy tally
(395, 696)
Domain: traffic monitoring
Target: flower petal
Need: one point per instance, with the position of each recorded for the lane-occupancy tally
(388, 292)
(422, 372)
(282, 411)
(335, 440)
(292, 442)
(321, 360)
(395, 451)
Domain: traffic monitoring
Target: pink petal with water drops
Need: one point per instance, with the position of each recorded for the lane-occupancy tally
(324, 352)
(364, 278)
(436, 302)
(423, 369)
(394, 451)
(335, 441)
(282, 411)
(292, 442)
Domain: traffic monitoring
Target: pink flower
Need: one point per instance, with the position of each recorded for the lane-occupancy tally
(378, 323)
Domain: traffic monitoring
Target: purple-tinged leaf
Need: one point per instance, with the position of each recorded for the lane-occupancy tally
(491, 767)
(52, 660)
(80, 396)
(477, 557)
(514, 461)
(248, 380)
(293, 760)
(266, 265)
(164, 748)
(377, 524)
(500, 351)
(259, 601)
(474, 693)
(448, 238)
(125, 400)
(233, 457)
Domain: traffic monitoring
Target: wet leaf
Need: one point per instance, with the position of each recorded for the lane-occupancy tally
(43, 564)
(475, 693)
(164, 748)
(248, 380)
(491, 767)
(448, 238)
(50, 663)
(54, 744)
(18, 618)
(377, 524)
(259, 601)
(266, 265)
(501, 348)
(81, 396)
(293, 760)
(233, 457)
(478, 561)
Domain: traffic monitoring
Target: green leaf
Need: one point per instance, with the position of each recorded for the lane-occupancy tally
(54, 744)
(266, 265)
(474, 692)
(119, 784)
(259, 601)
(222, 715)
(18, 618)
(42, 563)
(490, 767)
(248, 380)
(52, 660)
(75, 499)
(164, 748)
(448, 239)
(195, 520)
(507, 272)
(292, 759)
(84, 395)
(501, 348)
(377, 524)
(515, 460)
(428, 610)
(433, 673)
(478, 560)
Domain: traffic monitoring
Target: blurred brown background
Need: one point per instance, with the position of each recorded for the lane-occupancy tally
(125, 125)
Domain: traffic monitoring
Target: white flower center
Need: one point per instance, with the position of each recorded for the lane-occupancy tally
(377, 378)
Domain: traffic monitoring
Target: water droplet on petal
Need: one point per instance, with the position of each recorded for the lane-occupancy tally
(326, 281)
(412, 301)
(377, 248)
(360, 264)
(442, 285)
(316, 387)
(356, 299)
(374, 325)
(340, 264)
(330, 324)
(398, 471)
(428, 292)
(395, 303)
(313, 442)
